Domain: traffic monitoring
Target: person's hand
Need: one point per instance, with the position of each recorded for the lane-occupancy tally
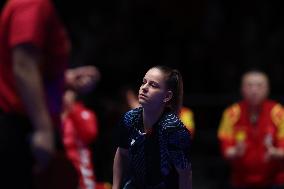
(43, 148)
(82, 79)
(273, 153)
(270, 154)
(236, 151)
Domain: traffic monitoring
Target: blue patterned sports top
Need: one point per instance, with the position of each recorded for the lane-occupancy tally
(154, 155)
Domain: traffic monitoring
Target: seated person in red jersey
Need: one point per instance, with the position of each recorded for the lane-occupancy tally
(80, 125)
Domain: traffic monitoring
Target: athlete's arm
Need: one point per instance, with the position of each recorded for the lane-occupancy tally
(120, 167)
(26, 62)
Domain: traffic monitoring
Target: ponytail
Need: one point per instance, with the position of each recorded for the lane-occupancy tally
(174, 83)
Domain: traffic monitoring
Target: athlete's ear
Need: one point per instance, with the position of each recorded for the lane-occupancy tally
(168, 96)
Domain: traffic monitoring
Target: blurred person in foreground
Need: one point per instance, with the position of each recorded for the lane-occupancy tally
(153, 150)
(34, 49)
(251, 136)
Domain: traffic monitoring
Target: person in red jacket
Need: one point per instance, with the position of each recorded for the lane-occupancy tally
(251, 136)
(80, 124)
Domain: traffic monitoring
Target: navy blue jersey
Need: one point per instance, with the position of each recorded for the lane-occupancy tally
(154, 155)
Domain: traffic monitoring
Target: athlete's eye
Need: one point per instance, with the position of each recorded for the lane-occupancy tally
(154, 84)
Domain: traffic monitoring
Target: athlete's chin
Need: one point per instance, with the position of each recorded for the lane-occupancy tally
(142, 101)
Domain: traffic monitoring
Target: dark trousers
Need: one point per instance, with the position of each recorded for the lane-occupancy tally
(15, 155)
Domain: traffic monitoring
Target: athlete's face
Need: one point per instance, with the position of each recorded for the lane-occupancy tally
(153, 91)
(255, 88)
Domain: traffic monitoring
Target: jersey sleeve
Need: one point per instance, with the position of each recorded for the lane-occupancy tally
(277, 115)
(226, 128)
(122, 130)
(179, 148)
(29, 24)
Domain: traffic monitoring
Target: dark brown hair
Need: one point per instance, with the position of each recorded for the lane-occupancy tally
(174, 83)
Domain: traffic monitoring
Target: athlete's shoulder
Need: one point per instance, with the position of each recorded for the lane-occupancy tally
(177, 133)
(133, 113)
(171, 121)
(132, 116)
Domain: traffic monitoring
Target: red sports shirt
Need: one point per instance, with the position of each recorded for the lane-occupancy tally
(32, 22)
(253, 169)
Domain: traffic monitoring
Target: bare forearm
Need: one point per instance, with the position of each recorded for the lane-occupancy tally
(29, 84)
(119, 167)
(117, 171)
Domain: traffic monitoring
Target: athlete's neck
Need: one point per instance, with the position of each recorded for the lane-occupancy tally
(151, 116)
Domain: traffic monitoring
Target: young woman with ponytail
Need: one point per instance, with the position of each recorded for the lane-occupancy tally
(153, 147)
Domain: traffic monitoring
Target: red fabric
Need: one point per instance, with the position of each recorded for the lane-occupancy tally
(32, 22)
(252, 169)
(279, 173)
(279, 166)
(79, 129)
